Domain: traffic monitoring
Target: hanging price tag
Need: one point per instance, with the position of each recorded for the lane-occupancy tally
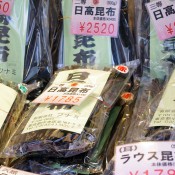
(162, 13)
(95, 17)
(145, 158)
(6, 7)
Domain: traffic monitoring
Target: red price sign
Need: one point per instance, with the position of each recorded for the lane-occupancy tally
(6, 7)
(94, 28)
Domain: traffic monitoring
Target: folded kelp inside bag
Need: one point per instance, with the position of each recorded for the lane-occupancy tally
(78, 102)
(12, 104)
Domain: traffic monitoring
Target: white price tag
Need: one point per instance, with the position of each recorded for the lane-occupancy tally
(145, 158)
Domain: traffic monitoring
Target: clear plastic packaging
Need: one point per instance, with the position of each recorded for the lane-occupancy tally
(11, 111)
(95, 51)
(149, 97)
(38, 65)
(26, 55)
(44, 166)
(62, 143)
(151, 51)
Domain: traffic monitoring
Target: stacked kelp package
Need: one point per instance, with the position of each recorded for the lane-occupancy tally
(66, 128)
(25, 57)
(151, 123)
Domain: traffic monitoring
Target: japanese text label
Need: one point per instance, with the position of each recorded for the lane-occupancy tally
(145, 158)
(13, 31)
(94, 17)
(66, 93)
(6, 102)
(70, 117)
(162, 13)
(84, 50)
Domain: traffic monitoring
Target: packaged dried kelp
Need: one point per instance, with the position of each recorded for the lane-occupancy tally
(38, 61)
(136, 119)
(12, 105)
(73, 128)
(94, 160)
(55, 31)
(149, 96)
(120, 129)
(95, 51)
(25, 46)
(87, 163)
(150, 49)
(44, 165)
(13, 41)
(153, 135)
(27, 41)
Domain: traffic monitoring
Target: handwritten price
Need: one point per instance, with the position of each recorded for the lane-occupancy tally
(97, 28)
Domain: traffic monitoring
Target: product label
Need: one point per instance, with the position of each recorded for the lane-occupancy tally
(165, 113)
(6, 101)
(6, 7)
(95, 17)
(69, 117)
(66, 93)
(11, 171)
(162, 13)
(83, 50)
(13, 31)
(145, 158)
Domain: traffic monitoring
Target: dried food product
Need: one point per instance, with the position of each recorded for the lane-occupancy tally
(25, 48)
(95, 51)
(64, 134)
(12, 105)
(38, 65)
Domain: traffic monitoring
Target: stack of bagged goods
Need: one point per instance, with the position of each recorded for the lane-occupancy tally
(76, 108)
